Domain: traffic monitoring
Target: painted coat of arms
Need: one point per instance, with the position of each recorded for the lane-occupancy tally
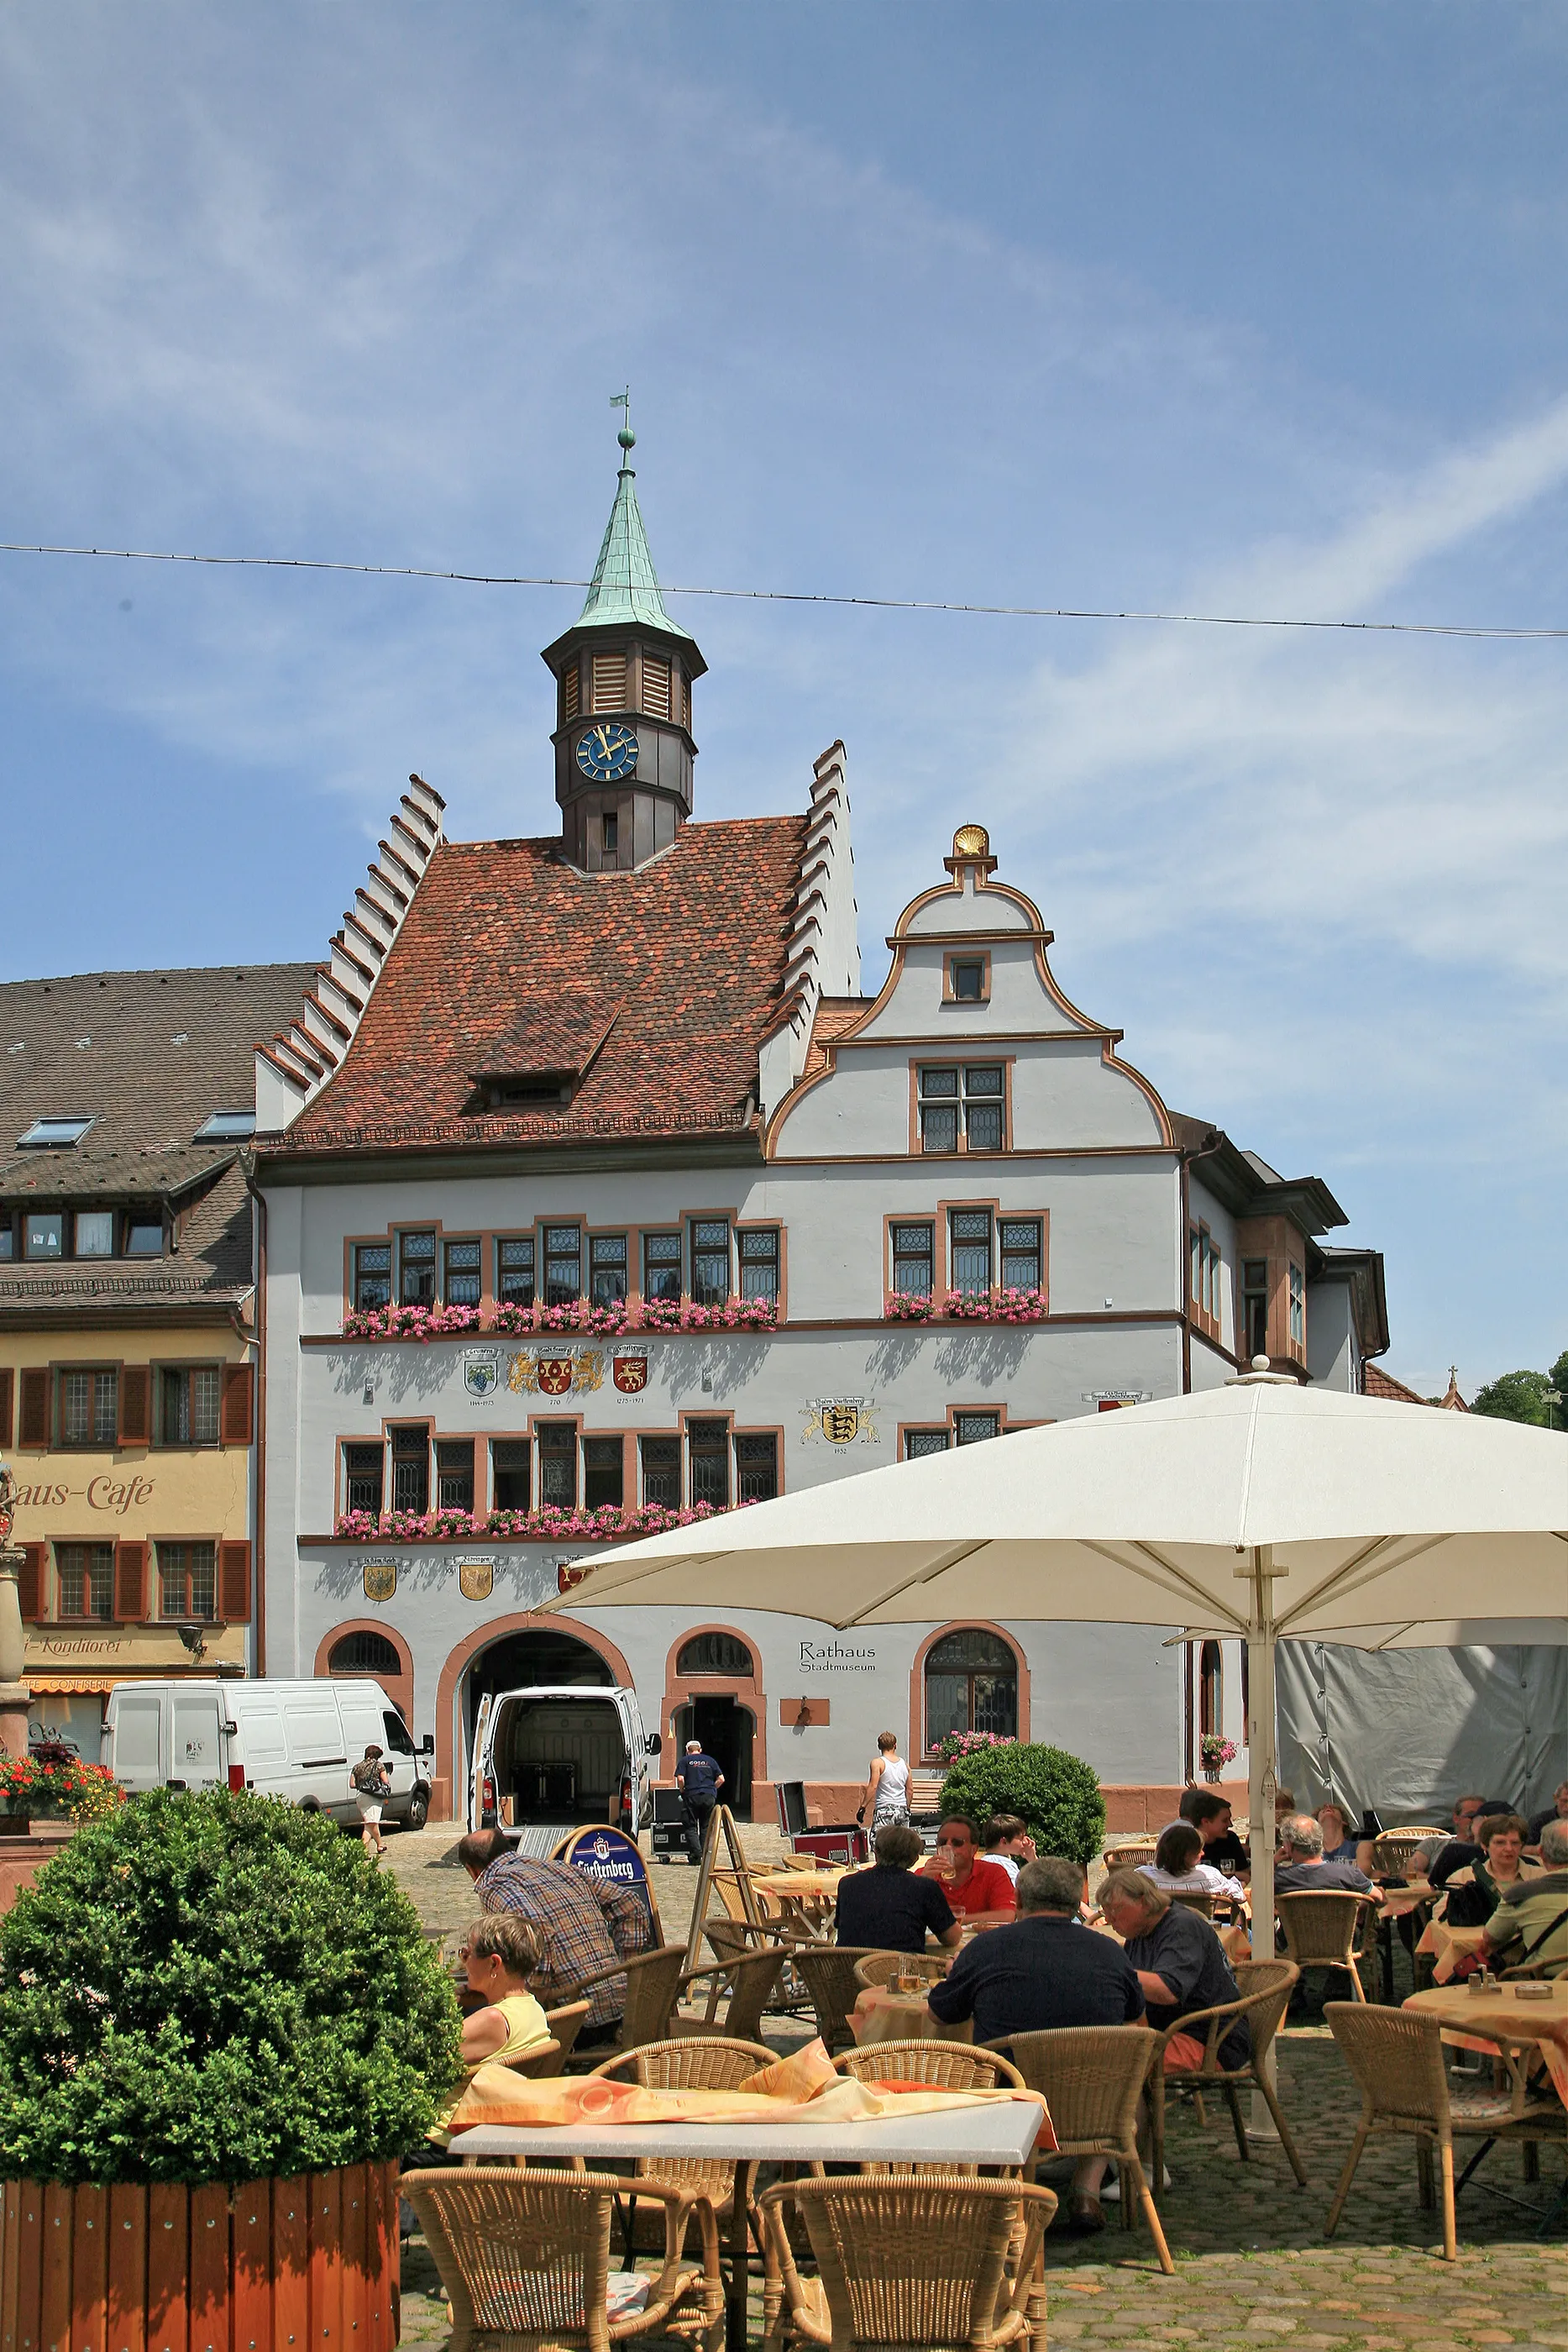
(841, 1420)
(534, 1374)
(476, 1579)
(630, 1373)
(482, 1373)
(380, 1579)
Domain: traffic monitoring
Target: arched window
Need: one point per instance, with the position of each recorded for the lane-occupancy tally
(1211, 1688)
(971, 1685)
(715, 1653)
(364, 1654)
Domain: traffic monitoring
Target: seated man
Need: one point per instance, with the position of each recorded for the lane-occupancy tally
(500, 1954)
(1557, 1811)
(890, 1907)
(1210, 1816)
(1531, 1922)
(1008, 1842)
(1303, 1868)
(1044, 1972)
(582, 1924)
(1452, 1848)
(976, 1890)
(1181, 1966)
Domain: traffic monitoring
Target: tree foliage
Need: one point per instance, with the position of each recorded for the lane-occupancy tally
(217, 1986)
(1056, 1794)
(1521, 1396)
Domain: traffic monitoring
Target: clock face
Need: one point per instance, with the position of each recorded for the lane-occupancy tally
(607, 752)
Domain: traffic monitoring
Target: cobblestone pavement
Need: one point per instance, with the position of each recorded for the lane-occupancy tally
(1252, 2267)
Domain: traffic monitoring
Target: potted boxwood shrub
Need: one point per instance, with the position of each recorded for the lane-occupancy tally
(220, 2026)
(1056, 1793)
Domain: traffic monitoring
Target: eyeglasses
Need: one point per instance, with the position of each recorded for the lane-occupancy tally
(953, 1841)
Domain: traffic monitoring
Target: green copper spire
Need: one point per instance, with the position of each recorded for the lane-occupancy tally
(625, 586)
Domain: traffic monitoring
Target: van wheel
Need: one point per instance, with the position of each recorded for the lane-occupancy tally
(418, 1809)
(309, 1804)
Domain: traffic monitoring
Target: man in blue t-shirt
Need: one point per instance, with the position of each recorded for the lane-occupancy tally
(699, 1781)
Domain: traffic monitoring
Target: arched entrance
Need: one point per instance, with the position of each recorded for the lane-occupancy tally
(512, 1654)
(713, 1693)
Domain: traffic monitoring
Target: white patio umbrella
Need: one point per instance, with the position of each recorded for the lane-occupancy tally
(1259, 1509)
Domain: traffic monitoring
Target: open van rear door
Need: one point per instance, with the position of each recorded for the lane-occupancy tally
(479, 1762)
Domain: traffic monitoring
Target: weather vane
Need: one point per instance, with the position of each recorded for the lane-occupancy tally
(626, 437)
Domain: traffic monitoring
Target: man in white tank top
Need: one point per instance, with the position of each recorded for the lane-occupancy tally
(887, 1789)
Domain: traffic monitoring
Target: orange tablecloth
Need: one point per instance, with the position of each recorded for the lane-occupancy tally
(797, 1883)
(881, 2016)
(1448, 1946)
(1499, 2017)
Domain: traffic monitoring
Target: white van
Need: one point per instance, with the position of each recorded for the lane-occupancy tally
(548, 1760)
(283, 1740)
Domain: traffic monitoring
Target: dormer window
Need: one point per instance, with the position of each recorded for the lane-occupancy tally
(968, 979)
(548, 1091)
(53, 1134)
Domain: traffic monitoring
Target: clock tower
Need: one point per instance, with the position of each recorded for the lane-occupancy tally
(623, 672)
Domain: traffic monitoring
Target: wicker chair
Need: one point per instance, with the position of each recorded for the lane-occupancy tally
(828, 1973)
(1131, 1854)
(880, 1968)
(718, 2064)
(1393, 1853)
(731, 1939)
(652, 1985)
(1320, 1931)
(1194, 1898)
(525, 2257)
(565, 2024)
(1265, 1989)
(1092, 2077)
(945, 2066)
(751, 1979)
(1397, 2057)
(913, 2261)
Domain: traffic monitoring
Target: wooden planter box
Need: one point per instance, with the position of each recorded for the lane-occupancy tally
(311, 2262)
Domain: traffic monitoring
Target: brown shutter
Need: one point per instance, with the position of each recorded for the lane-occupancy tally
(8, 1387)
(233, 1584)
(34, 1407)
(130, 1582)
(238, 1386)
(30, 1580)
(134, 1427)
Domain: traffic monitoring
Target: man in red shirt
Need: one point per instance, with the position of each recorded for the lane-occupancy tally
(979, 1892)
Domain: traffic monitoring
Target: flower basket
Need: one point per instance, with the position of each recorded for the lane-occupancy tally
(53, 1785)
(311, 2260)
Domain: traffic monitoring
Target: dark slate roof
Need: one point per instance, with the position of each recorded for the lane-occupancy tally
(150, 1055)
(510, 957)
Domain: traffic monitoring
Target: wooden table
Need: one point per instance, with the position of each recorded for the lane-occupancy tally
(880, 2015)
(1499, 2018)
(802, 1894)
(1002, 2134)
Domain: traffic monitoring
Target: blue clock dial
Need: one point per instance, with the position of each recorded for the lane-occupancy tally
(607, 752)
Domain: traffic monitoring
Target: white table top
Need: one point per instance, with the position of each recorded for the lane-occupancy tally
(1001, 2132)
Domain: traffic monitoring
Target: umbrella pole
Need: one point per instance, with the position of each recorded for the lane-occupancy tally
(1262, 1779)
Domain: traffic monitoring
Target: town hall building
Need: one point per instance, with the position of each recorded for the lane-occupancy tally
(595, 1192)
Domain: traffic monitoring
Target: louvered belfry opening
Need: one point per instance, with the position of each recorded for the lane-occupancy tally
(623, 745)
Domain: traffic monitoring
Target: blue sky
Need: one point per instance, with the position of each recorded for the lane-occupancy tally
(1202, 308)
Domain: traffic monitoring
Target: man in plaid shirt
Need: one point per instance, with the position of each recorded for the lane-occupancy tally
(583, 1924)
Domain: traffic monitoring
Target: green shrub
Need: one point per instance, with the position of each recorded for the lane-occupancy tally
(217, 1986)
(1056, 1794)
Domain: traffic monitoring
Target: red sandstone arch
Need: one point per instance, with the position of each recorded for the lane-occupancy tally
(442, 1804)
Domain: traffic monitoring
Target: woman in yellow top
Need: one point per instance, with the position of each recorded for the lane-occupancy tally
(501, 1952)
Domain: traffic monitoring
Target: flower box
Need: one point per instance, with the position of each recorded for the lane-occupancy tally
(902, 1307)
(995, 1306)
(55, 1786)
(578, 1317)
(607, 1525)
(309, 2261)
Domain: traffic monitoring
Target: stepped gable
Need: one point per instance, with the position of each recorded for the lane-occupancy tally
(687, 955)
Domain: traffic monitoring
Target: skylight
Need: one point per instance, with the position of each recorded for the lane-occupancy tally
(53, 1134)
(220, 1124)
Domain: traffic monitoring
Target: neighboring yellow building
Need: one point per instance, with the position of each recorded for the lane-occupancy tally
(128, 1390)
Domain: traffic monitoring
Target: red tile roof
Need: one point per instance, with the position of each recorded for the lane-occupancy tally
(1376, 1382)
(502, 935)
(835, 1016)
